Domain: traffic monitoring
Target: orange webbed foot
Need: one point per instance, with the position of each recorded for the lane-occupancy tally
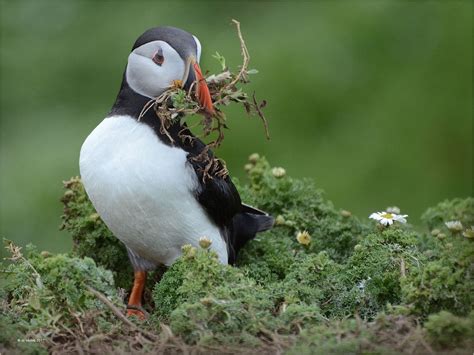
(138, 313)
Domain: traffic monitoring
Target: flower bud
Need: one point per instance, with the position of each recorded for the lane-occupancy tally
(345, 213)
(205, 242)
(435, 232)
(253, 158)
(278, 172)
(279, 220)
(303, 238)
(248, 167)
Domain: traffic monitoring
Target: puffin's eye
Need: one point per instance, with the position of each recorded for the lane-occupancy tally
(158, 57)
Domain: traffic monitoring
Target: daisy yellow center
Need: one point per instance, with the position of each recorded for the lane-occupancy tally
(387, 215)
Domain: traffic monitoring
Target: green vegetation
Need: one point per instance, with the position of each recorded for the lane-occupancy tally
(349, 286)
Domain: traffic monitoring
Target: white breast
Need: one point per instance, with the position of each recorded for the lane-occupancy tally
(144, 190)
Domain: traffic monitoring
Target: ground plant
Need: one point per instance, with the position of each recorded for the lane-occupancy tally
(322, 280)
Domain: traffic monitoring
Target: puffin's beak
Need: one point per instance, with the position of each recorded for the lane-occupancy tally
(202, 91)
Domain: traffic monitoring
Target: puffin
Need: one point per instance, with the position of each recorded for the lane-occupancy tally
(148, 187)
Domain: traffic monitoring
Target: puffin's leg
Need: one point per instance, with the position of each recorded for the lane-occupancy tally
(140, 266)
(134, 306)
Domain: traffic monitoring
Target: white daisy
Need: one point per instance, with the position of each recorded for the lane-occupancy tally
(387, 218)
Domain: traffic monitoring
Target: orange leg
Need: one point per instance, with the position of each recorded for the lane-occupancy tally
(135, 300)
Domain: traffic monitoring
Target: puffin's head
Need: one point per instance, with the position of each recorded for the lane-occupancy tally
(162, 57)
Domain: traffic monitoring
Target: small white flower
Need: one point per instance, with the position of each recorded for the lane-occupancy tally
(455, 226)
(387, 218)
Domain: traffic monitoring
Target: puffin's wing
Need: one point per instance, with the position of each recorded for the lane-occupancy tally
(220, 199)
(238, 222)
(245, 225)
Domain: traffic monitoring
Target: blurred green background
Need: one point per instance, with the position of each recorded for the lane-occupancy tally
(372, 99)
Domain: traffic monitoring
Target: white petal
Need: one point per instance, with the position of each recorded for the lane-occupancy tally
(375, 216)
(387, 221)
(400, 218)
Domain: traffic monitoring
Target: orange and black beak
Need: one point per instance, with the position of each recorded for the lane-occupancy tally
(202, 91)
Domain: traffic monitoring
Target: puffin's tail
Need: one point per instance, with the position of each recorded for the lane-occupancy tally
(245, 225)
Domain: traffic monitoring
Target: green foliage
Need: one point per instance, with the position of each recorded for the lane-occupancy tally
(91, 236)
(47, 290)
(445, 278)
(445, 329)
(190, 278)
(207, 302)
(220, 58)
(374, 271)
(301, 206)
(457, 209)
(268, 257)
(46, 295)
(180, 102)
(202, 297)
(12, 336)
(348, 287)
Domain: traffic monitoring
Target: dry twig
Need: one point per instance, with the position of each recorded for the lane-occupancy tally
(119, 314)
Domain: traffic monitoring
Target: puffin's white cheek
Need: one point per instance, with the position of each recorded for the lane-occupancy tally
(170, 72)
(144, 76)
